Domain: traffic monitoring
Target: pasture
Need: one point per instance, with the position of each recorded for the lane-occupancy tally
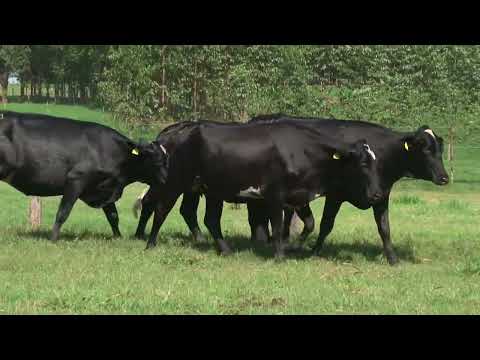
(434, 231)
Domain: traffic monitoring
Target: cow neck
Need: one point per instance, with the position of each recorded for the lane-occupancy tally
(138, 171)
(397, 160)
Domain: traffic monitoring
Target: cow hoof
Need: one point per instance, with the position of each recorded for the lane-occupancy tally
(393, 260)
(199, 238)
(316, 251)
(117, 235)
(150, 246)
(293, 247)
(279, 257)
(225, 252)
(139, 237)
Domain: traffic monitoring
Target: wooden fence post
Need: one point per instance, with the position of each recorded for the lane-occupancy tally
(35, 212)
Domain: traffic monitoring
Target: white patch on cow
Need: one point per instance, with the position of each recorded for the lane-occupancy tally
(428, 131)
(137, 205)
(372, 154)
(251, 192)
(163, 149)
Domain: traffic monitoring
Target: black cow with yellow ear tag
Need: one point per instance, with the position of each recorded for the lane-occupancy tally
(417, 154)
(424, 150)
(42, 155)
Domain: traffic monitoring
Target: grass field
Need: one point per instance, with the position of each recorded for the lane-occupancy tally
(434, 230)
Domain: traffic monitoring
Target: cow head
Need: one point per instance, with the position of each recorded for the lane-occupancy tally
(360, 175)
(424, 150)
(155, 159)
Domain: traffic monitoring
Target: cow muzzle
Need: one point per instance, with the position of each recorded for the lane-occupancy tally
(444, 180)
(441, 179)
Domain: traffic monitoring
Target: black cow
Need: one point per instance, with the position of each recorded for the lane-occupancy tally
(191, 197)
(415, 154)
(42, 155)
(282, 164)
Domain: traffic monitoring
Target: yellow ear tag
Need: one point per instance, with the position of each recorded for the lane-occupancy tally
(406, 146)
(135, 152)
(336, 156)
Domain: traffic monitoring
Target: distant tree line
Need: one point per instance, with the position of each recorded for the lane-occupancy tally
(146, 83)
(53, 72)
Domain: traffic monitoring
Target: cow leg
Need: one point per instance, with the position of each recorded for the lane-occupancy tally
(306, 215)
(287, 220)
(212, 218)
(112, 216)
(330, 211)
(380, 212)
(188, 209)
(148, 207)
(275, 213)
(162, 209)
(70, 196)
(258, 220)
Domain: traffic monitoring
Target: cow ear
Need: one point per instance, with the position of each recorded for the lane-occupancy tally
(422, 128)
(340, 154)
(355, 149)
(142, 150)
(408, 142)
(163, 148)
(336, 156)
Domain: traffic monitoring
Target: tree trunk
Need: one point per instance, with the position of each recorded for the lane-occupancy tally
(195, 99)
(163, 79)
(71, 93)
(93, 91)
(3, 87)
(22, 89)
(83, 93)
(194, 95)
(35, 213)
(451, 135)
(39, 89)
(33, 91)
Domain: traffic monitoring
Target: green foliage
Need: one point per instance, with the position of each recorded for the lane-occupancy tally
(13, 58)
(399, 86)
(127, 88)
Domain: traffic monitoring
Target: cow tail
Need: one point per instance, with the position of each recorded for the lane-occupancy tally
(137, 205)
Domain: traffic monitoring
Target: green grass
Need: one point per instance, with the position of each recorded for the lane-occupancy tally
(434, 230)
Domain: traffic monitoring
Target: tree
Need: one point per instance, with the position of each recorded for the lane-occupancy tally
(13, 60)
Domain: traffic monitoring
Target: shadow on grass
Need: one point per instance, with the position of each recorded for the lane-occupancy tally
(343, 252)
(66, 235)
(371, 252)
(331, 251)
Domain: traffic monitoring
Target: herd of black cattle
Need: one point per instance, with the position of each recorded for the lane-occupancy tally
(276, 164)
